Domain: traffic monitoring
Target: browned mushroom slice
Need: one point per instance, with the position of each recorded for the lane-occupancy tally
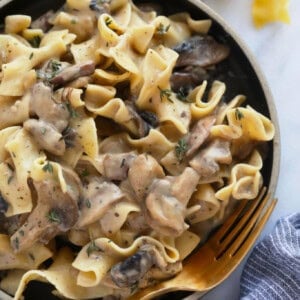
(73, 72)
(115, 166)
(164, 213)
(206, 162)
(98, 196)
(43, 105)
(187, 77)
(129, 272)
(56, 212)
(184, 185)
(166, 202)
(46, 136)
(200, 51)
(150, 7)
(199, 134)
(142, 126)
(43, 21)
(142, 172)
(100, 7)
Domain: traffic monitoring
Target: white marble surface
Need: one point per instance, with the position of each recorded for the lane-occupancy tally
(277, 50)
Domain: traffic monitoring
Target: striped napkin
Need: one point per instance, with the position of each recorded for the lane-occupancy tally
(272, 271)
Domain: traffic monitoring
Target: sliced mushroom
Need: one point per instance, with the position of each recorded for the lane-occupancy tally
(69, 135)
(142, 126)
(43, 21)
(43, 105)
(199, 134)
(150, 118)
(184, 185)
(46, 136)
(115, 166)
(56, 212)
(136, 222)
(73, 72)
(99, 8)
(3, 205)
(188, 77)
(142, 172)
(128, 272)
(163, 212)
(207, 161)
(150, 6)
(200, 51)
(165, 205)
(98, 196)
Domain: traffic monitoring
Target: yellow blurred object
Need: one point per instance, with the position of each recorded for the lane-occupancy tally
(266, 11)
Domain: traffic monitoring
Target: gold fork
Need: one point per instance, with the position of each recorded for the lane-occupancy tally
(221, 254)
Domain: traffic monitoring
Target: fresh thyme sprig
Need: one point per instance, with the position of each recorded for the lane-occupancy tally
(180, 149)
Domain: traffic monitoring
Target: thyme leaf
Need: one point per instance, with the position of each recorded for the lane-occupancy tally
(165, 93)
(180, 149)
(48, 167)
(91, 248)
(84, 173)
(55, 65)
(162, 29)
(53, 216)
(73, 113)
(35, 41)
(108, 21)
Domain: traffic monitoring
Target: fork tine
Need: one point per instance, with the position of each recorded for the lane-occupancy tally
(244, 240)
(233, 218)
(228, 238)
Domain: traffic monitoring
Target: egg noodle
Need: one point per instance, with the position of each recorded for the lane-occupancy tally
(107, 173)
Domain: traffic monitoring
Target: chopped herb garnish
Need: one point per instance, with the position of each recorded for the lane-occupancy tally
(108, 21)
(48, 167)
(53, 68)
(180, 149)
(91, 248)
(73, 113)
(238, 114)
(35, 41)
(165, 93)
(43, 130)
(162, 29)
(88, 203)
(10, 178)
(31, 55)
(84, 173)
(73, 21)
(55, 65)
(22, 233)
(53, 216)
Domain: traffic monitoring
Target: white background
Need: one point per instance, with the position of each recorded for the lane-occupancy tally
(277, 50)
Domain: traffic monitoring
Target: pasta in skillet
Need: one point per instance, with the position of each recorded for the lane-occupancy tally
(114, 148)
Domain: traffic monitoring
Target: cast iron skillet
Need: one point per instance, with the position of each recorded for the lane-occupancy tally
(239, 72)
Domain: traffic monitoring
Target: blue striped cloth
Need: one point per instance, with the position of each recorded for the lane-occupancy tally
(273, 269)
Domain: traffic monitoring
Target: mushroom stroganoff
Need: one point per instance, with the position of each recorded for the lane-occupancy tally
(115, 151)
